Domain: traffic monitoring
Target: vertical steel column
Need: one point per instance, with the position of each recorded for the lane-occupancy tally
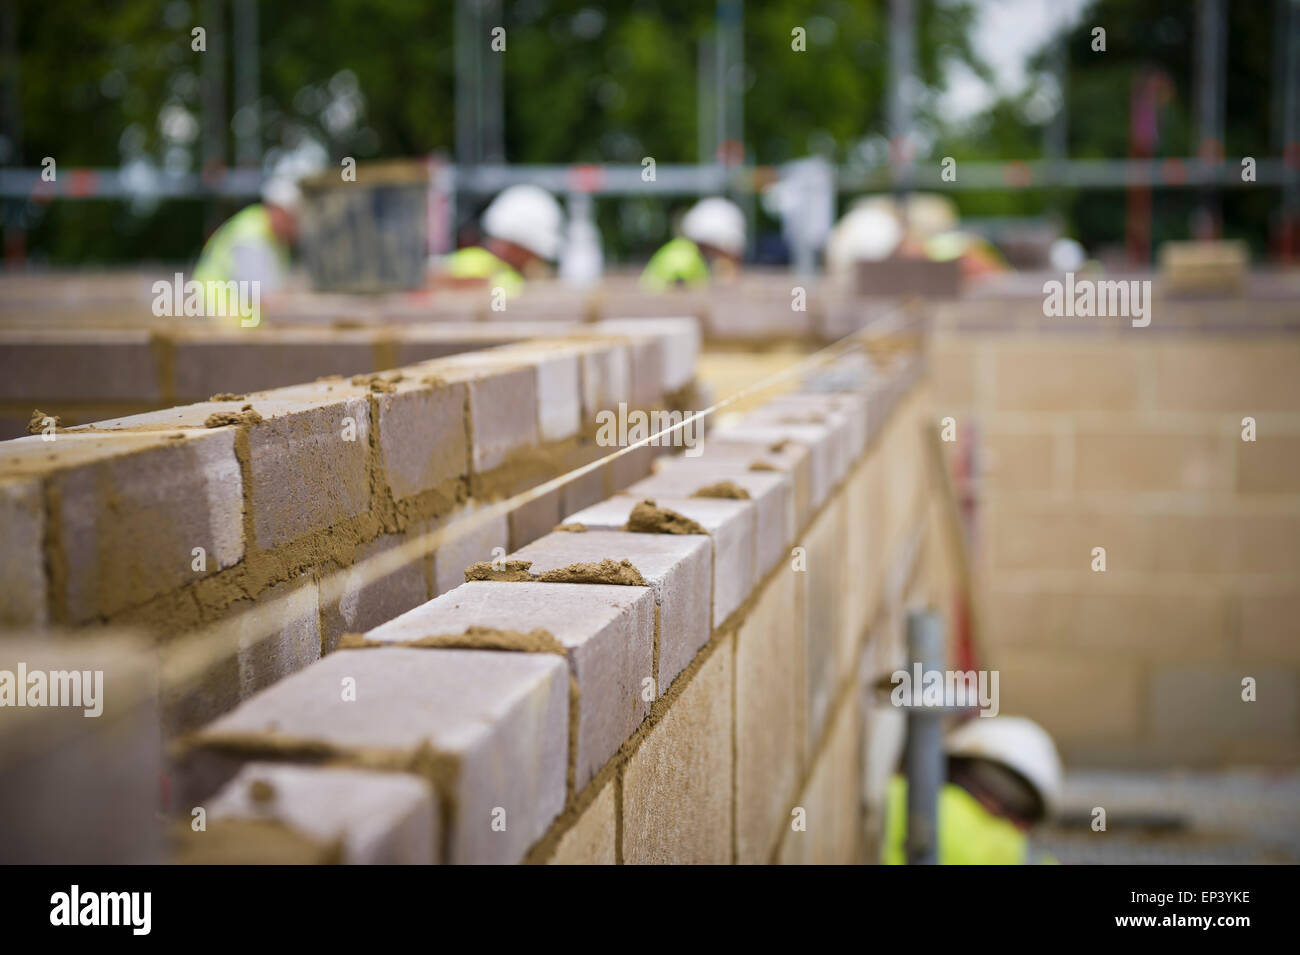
(924, 753)
(248, 125)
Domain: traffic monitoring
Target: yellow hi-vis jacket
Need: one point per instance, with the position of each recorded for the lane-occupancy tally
(475, 262)
(968, 833)
(246, 235)
(679, 262)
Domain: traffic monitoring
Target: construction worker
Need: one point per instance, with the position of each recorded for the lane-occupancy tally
(1004, 776)
(712, 245)
(253, 245)
(523, 226)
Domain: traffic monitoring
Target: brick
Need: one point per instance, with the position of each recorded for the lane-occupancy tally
(832, 801)
(747, 318)
(559, 396)
(1270, 626)
(1109, 616)
(1245, 377)
(131, 508)
(290, 645)
(423, 441)
(209, 363)
(771, 492)
(353, 603)
(793, 459)
(769, 719)
(78, 365)
(502, 718)
(677, 567)
(1043, 376)
(862, 521)
(536, 518)
(730, 525)
(1060, 536)
(826, 648)
(678, 341)
(503, 411)
(1268, 465)
(591, 839)
(1078, 697)
(677, 785)
(22, 555)
(607, 632)
(1150, 461)
(953, 373)
(845, 414)
(468, 546)
(373, 818)
(1018, 461)
(78, 791)
(818, 439)
(1206, 700)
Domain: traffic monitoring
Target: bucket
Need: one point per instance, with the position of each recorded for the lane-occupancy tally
(367, 235)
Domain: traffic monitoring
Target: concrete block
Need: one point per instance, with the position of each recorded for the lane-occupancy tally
(1269, 625)
(677, 786)
(352, 603)
(1042, 376)
(818, 439)
(591, 839)
(1018, 461)
(1078, 697)
(606, 631)
(503, 412)
(827, 648)
(23, 592)
(770, 714)
(832, 801)
(369, 818)
(678, 342)
(1268, 465)
(677, 567)
(1151, 461)
(468, 546)
(78, 365)
(559, 384)
(73, 790)
(771, 491)
(500, 720)
(423, 440)
(242, 362)
(535, 519)
(1243, 378)
(757, 455)
(1206, 700)
(131, 508)
(729, 523)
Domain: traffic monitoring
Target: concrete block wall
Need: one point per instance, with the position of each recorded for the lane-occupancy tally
(180, 519)
(609, 694)
(1101, 435)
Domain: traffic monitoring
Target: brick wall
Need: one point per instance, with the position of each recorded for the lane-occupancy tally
(706, 707)
(1131, 439)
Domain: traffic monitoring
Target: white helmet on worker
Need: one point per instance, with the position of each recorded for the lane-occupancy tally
(282, 191)
(1020, 745)
(867, 233)
(528, 216)
(718, 223)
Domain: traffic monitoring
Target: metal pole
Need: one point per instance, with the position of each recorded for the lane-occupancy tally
(902, 67)
(924, 753)
(248, 127)
(1211, 88)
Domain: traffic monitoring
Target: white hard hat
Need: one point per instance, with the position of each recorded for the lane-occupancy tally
(281, 191)
(529, 216)
(1066, 255)
(866, 233)
(1020, 745)
(717, 222)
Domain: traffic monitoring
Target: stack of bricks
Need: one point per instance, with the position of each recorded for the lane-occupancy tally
(184, 518)
(1176, 449)
(668, 683)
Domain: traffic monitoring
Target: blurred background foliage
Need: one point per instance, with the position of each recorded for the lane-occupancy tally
(115, 84)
